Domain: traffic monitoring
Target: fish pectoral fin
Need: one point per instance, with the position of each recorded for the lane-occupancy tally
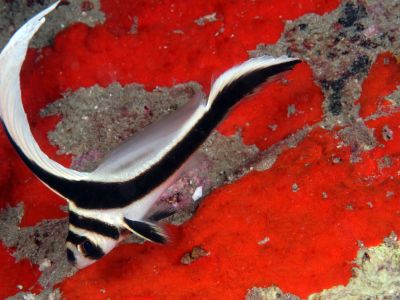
(147, 230)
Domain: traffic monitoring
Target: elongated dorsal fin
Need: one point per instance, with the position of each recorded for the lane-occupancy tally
(12, 113)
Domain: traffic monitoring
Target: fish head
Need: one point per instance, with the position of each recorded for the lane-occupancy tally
(88, 240)
(86, 250)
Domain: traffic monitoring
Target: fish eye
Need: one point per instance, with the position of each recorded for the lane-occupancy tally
(86, 247)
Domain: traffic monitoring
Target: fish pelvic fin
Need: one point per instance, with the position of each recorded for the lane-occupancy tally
(147, 230)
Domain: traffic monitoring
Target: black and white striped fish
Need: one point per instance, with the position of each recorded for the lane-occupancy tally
(116, 197)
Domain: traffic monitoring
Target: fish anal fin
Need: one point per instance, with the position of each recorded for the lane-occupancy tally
(147, 230)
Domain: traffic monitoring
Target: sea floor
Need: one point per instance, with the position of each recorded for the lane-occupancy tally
(300, 182)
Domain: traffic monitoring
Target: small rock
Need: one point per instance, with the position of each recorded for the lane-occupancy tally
(269, 293)
(389, 194)
(44, 264)
(198, 193)
(206, 19)
(387, 133)
(291, 110)
(264, 241)
(273, 127)
(194, 255)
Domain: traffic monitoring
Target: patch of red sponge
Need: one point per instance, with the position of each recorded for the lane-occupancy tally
(15, 277)
(277, 111)
(383, 79)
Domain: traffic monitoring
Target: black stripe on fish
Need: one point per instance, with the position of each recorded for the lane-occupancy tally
(75, 238)
(71, 257)
(88, 248)
(94, 225)
(106, 195)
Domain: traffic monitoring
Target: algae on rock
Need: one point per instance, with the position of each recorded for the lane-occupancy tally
(377, 275)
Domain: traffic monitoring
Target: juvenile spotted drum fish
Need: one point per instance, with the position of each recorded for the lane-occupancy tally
(117, 197)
